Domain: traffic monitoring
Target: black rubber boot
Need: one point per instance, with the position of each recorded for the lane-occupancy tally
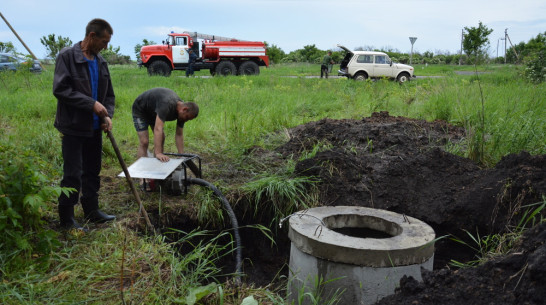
(99, 216)
(66, 215)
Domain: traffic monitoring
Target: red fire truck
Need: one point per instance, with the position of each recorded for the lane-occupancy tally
(222, 56)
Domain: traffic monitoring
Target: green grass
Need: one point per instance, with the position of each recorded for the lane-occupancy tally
(490, 246)
(238, 113)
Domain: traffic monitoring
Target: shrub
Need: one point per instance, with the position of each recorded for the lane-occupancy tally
(535, 70)
(24, 194)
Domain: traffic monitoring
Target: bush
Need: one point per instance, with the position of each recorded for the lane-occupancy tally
(535, 70)
(113, 57)
(24, 194)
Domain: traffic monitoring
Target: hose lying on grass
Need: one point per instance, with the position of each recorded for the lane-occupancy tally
(233, 219)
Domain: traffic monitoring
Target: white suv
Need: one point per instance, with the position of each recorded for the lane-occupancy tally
(361, 65)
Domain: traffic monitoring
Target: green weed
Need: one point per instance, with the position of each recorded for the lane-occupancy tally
(494, 245)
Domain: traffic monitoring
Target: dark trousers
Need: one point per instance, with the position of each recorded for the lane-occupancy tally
(82, 164)
(323, 71)
(189, 70)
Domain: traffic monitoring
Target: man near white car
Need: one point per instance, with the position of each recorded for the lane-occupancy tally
(326, 62)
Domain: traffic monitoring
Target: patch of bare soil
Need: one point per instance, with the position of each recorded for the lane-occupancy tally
(517, 278)
(399, 164)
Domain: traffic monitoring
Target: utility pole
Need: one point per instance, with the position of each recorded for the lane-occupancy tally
(21, 40)
(506, 37)
(505, 34)
(461, 51)
(498, 40)
(412, 40)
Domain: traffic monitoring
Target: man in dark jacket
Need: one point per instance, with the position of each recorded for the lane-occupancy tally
(85, 107)
(191, 62)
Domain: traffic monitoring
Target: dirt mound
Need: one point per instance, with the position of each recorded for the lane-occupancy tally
(401, 165)
(517, 278)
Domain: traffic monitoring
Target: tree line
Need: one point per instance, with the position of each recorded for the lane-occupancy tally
(475, 45)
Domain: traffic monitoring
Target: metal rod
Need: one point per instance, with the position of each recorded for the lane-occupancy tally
(129, 180)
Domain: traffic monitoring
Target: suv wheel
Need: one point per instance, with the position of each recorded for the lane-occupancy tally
(361, 76)
(403, 77)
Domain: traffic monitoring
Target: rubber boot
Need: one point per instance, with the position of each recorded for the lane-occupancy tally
(99, 216)
(66, 216)
(92, 212)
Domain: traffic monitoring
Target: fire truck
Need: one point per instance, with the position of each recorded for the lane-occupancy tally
(220, 55)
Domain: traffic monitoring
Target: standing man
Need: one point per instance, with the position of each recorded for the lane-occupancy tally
(191, 62)
(326, 61)
(85, 106)
(152, 109)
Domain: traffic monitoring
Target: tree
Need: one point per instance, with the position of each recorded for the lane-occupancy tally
(534, 57)
(476, 41)
(310, 53)
(55, 45)
(139, 46)
(112, 56)
(275, 53)
(6, 47)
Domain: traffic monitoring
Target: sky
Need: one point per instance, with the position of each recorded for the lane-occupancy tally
(288, 24)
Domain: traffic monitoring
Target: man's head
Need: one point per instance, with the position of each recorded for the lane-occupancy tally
(329, 52)
(187, 111)
(97, 34)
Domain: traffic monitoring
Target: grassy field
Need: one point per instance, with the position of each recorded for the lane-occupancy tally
(501, 112)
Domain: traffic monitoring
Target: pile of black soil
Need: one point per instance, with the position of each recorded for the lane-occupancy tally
(517, 278)
(401, 165)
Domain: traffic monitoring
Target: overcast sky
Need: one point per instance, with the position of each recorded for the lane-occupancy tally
(288, 24)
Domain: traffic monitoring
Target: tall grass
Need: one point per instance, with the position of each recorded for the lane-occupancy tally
(236, 112)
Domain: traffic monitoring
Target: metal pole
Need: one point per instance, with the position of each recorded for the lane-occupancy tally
(505, 33)
(498, 47)
(412, 40)
(461, 51)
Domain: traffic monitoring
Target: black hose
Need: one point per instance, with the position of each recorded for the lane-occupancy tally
(234, 222)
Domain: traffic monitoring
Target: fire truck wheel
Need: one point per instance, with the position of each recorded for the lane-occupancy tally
(159, 67)
(226, 68)
(249, 68)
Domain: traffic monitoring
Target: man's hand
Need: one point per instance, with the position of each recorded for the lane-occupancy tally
(100, 110)
(162, 157)
(106, 124)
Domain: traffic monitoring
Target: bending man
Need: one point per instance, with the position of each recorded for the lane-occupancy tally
(152, 109)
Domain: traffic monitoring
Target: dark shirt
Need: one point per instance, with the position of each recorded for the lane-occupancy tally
(159, 102)
(72, 88)
(326, 60)
(193, 57)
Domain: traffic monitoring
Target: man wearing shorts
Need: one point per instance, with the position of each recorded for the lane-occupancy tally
(152, 109)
